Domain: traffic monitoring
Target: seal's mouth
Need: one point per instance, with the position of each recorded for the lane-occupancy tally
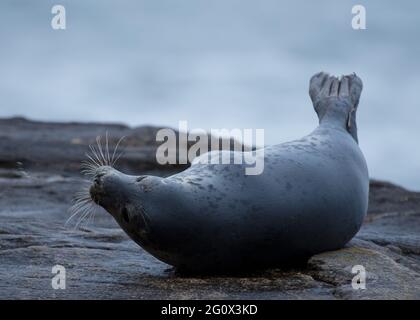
(96, 191)
(95, 195)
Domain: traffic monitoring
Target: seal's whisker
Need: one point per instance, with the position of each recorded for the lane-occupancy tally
(82, 202)
(95, 160)
(98, 142)
(118, 157)
(80, 212)
(90, 217)
(95, 154)
(81, 196)
(71, 217)
(85, 211)
(88, 172)
(79, 205)
(113, 160)
(107, 148)
(88, 167)
(88, 164)
(93, 216)
(75, 210)
(84, 217)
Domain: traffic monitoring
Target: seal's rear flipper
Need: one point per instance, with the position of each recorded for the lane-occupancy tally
(336, 99)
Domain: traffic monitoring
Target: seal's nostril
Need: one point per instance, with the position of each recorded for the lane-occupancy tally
(98, 176)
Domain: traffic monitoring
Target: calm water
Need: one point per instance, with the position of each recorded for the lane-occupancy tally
(219, 63)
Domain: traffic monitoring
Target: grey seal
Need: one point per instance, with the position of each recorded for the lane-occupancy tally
(311, 197)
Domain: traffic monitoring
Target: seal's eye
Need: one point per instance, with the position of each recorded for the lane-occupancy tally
(124, 214)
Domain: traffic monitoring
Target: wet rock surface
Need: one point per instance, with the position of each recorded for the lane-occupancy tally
(39, 164)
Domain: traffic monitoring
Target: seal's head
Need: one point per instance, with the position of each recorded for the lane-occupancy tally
(121, 195)
(118, 193)
(108, 191)
(132, 201)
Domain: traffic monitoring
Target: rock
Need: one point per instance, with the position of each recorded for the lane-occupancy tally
(386, 278)
(61, 147)
(39, 165)
(388, 198)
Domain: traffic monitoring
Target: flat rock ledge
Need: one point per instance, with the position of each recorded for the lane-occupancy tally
(103, 263)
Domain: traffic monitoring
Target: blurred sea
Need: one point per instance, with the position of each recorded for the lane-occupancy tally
(219, 63)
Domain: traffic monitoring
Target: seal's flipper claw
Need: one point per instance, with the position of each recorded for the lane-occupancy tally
(334, 87)
(355, 89)
(344, 87)
(315, 85)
